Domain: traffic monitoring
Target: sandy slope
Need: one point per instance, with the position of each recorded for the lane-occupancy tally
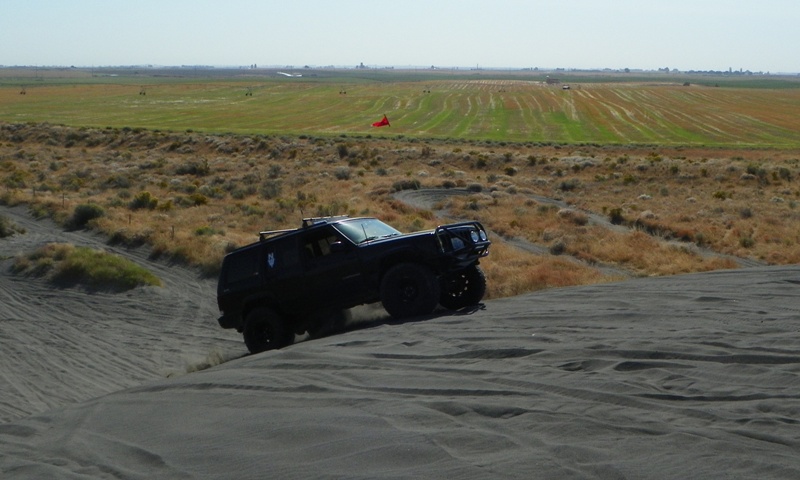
(694, 376)
(59, 346)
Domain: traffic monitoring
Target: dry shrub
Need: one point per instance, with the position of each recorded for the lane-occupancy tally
(8, 227)
(84, 213)
(510, 271)
(574, 216)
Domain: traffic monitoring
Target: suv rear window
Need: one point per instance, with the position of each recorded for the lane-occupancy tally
(242, 266)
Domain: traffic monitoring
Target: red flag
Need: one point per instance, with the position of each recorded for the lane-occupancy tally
(382, 123)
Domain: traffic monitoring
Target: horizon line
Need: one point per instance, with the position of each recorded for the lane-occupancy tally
(362, 66)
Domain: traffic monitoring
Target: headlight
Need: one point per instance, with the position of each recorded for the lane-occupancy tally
(483, 236)
(474, 236)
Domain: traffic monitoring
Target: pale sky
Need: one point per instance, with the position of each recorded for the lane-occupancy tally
(755, 35)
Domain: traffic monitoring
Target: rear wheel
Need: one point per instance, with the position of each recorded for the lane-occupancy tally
(265, 330)
(409, 289)
(328, 323)
(463, 289)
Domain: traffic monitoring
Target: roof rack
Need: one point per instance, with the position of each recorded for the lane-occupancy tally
(308, 222)
(271, 233)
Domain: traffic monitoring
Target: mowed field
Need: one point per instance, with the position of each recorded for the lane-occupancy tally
(510, 108)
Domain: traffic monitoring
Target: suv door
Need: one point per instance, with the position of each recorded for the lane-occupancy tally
(333, 276)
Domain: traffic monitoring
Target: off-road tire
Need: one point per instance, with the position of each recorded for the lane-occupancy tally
(328, 323)
(265, 329)
(408, 290)
(463, 289)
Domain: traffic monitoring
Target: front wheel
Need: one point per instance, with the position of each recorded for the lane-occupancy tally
(463, 289)
(265, 330)
(409, 289)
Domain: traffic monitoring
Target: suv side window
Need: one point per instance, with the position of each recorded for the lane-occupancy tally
(318, 244)
(282, 255)
(242, 266)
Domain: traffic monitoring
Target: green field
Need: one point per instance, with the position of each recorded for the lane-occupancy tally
(497, 106)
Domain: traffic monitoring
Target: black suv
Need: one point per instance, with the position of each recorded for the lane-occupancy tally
(300, 280)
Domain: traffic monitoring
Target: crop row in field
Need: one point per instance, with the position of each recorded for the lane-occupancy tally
(501, 110)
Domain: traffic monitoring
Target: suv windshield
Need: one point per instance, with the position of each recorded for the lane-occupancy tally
(365, 229)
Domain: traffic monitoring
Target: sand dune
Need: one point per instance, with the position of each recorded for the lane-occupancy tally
(693, 376)
(59, 346)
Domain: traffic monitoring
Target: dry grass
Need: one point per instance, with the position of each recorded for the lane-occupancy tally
(512, 272)
(8, 228)
(192, 197)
